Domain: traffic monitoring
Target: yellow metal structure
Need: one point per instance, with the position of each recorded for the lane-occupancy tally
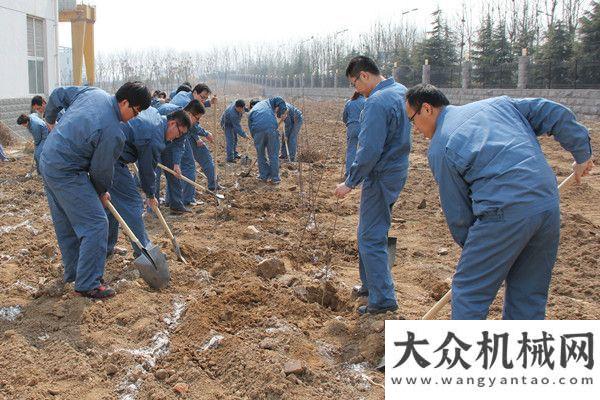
(82, 20)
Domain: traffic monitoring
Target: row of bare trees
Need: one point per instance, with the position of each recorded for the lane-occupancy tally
(477, 32)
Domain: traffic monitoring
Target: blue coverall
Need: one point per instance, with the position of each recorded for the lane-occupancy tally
(77, 165)
(263, 125)
(293, 124)
(351, 118)
(38, 129)
(231, 125)
(500, 199)
(171, 156)
(145, 141)
(381, 164)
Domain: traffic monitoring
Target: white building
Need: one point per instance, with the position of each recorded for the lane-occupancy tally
(28, 47)
(65, 63)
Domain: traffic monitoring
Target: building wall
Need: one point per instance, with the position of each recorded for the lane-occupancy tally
(13, 45)
(14, 82)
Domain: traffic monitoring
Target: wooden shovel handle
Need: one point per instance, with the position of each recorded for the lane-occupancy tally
(438, 306)
(162, 221)
(566, 180)
(184, 178)
(123, 224)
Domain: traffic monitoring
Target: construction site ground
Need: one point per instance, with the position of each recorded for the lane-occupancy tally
(226, 328)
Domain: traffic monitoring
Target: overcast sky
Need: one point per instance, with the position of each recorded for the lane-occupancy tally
(198, 25)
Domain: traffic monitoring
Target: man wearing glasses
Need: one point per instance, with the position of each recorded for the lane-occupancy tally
(146, 138)
(499, 194)
(77, 165)
(174, 154)
(196, 149)
(381, 165)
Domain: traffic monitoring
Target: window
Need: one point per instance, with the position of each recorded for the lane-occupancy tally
(35, 54)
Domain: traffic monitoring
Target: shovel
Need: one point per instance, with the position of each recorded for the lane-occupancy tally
(152, 264)
(391, 250)
(448, 296)
(169, 234)
(191, 182)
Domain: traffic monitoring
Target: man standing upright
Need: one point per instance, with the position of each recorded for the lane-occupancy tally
(381, 165)
(77, 166)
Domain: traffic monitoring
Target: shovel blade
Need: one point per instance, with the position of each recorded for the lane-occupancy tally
(153, 267)
(245, 160)
(178, 251)
(391, 250)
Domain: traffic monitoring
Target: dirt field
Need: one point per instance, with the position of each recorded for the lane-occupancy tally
(221, 330)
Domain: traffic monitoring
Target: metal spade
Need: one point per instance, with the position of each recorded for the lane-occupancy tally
(152, 263)
(391, 250)
(169, 233)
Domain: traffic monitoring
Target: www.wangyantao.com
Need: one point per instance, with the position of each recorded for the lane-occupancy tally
(490, 381)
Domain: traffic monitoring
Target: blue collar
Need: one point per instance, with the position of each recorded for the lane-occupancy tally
(116, 107)
(438, 127)
(382, 85)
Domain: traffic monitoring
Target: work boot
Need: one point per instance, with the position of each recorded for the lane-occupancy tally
(101, 292)
(362, 310)
(179, 211)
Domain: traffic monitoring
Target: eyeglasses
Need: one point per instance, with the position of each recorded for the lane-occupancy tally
(135, 112)
(353, 83)
(411, 119)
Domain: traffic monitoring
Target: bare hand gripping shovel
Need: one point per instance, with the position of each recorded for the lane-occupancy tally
(169, 233)
(152, 263)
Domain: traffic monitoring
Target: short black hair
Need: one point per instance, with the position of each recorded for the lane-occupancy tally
(253, 102)
(181, 118)
(186, 83)
(184, 88)
(22, 119)
(136, 93)
(37, 101)
(201, 87)
(195, 107)
(426, 93)
(240, 103)
(361, 64)
(162, 95)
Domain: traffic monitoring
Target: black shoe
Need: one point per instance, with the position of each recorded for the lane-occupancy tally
(237, 156)
(362, 310)
(101, 292)
(232, 161)
(360, 291)
(179, 211)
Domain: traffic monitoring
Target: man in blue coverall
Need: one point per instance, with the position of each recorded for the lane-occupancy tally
(145, 139)
(77, 167)
(293, 124)
(351, 117)
(263, 122)
(175, 155)
(499, 194)
(39, 131)
(231, 125)
(381, 165)
(196, 148)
